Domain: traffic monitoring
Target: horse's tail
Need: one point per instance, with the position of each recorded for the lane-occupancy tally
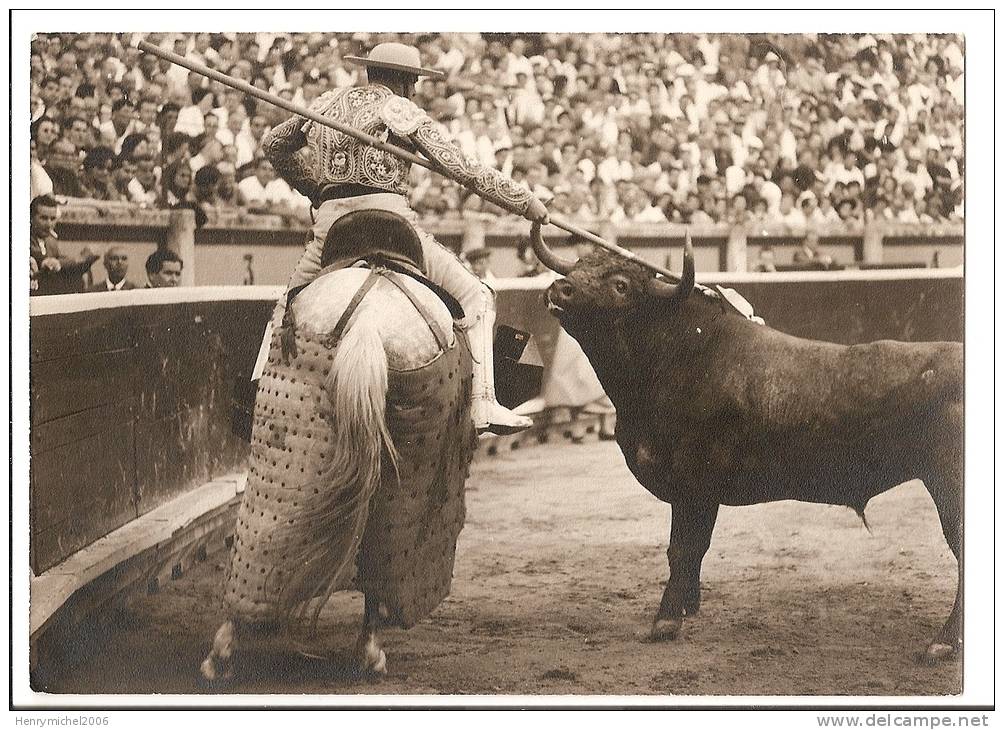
(334, 521)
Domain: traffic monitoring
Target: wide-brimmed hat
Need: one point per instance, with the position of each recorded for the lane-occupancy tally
(397, 57)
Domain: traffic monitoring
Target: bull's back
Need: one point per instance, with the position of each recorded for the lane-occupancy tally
(788, 418)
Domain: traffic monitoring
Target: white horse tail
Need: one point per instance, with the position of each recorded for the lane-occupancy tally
(335, 519)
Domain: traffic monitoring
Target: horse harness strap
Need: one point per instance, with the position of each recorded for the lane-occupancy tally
(394, 278)
(334, 337)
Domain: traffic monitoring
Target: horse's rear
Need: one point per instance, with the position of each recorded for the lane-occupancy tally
(361, 443)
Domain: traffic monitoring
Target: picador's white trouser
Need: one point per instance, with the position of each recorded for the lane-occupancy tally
(441, 266)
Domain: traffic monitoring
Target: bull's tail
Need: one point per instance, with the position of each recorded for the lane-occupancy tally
(334, 521)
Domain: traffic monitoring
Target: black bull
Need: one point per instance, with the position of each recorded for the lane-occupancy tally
(714, 409)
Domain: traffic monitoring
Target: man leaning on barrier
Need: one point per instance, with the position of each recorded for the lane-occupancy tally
(339, 174)
(51, 271)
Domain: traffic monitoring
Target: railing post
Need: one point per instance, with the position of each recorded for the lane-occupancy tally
(181, 240)
(474, 235)
(735, 249)
(871, 247)
(608, 232)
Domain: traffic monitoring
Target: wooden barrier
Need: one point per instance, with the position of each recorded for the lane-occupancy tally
(130, 405)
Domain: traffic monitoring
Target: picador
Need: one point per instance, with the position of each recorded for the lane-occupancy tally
(340, 174)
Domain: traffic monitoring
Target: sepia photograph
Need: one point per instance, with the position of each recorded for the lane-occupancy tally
(369, 361)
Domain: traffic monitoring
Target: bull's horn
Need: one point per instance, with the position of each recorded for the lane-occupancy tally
(547, 257)
(680, 291)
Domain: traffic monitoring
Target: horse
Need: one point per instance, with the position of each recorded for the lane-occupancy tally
(361, 445)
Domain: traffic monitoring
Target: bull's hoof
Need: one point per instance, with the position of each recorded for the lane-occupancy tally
(665, 629)
(939, 651)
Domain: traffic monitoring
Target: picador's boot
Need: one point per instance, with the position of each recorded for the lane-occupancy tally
(489, 415)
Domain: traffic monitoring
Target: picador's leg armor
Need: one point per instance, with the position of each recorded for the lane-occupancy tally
(489, 415)
(478, 301)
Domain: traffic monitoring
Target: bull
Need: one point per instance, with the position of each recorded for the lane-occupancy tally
(715, 409)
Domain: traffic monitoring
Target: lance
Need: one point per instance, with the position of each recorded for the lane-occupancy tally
(369, 139)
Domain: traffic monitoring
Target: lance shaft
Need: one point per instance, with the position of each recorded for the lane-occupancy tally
(369, 139)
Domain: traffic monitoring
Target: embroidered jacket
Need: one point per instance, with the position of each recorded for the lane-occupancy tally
(310, 156)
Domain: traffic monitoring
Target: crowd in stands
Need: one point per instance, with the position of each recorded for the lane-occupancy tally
(697, 128)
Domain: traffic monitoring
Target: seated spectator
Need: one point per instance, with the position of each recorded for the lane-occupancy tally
(44, 132)
(136, 146)
(207, 181)
(163, 269)
(63, 168)
(96, 179)
(809, 255)
(266, 192)
(40, 183)
(167, 119)
(116, 262)
(175, 147)
(52, 272)
(191, 119)
(226, 189)
(176, 185)
(80, 133)
(142, 187)
(765, 260)
(206, 150)
(113, 131)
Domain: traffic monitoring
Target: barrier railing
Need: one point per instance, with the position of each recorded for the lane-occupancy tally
(235, 247)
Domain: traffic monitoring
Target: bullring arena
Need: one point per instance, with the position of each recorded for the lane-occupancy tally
(844, 226)
(561, 560)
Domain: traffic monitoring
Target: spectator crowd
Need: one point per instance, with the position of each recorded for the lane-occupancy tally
(696, 128)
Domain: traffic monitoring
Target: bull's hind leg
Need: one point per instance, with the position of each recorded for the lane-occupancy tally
(370, 658)
(689, 539)
(947, 494)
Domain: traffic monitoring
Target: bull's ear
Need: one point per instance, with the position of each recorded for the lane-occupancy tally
(665, 290)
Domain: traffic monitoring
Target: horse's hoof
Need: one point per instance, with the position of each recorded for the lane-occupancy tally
(213, 675)
(939, 651)
(373, 664)
(665, 629)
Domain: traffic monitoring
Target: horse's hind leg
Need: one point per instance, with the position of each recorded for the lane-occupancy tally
(218, 664)
(370, 658)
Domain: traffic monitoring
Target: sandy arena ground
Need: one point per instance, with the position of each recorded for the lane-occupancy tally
(559, 572)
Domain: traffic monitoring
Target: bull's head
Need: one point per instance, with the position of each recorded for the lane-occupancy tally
(604, 284)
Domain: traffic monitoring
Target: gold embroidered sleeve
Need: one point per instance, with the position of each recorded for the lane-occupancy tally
(282, 146)
(487, 182)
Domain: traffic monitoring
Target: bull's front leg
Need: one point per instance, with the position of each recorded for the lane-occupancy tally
(689, 539)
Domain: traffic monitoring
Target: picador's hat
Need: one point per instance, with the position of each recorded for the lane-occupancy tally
(397, 57)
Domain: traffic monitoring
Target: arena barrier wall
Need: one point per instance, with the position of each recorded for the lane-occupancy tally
(131, 449)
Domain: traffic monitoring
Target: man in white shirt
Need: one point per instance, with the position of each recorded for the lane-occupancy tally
(248, 141)
(251, 190)
(191, 119)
